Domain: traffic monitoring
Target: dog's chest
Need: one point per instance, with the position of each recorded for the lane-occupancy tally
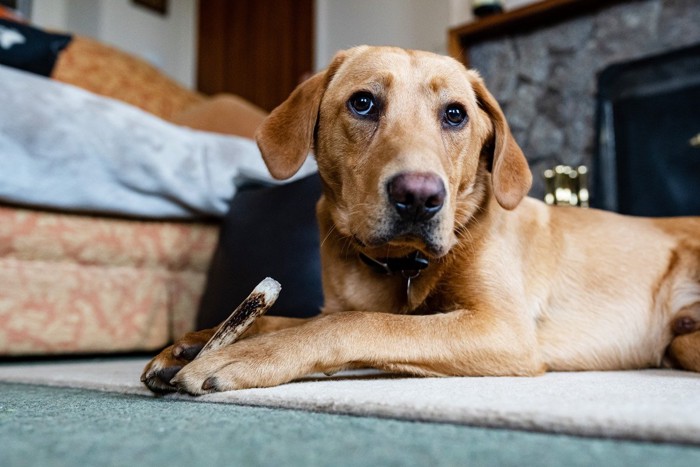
(367, 290)
(359, 288)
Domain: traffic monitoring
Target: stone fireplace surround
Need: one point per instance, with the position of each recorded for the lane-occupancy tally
(542, 62)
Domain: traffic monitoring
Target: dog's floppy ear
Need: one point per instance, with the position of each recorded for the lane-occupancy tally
(286, 136)
(510, 173)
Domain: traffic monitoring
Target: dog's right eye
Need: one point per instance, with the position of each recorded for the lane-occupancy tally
(455, 115)
(363, 104)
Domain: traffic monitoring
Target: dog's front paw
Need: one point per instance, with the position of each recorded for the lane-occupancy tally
(163, 367)
(261, 361)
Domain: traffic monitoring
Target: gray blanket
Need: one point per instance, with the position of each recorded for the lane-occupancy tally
(65, 148)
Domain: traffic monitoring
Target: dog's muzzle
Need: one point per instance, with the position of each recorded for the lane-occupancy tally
(416, 196)
(414, 201)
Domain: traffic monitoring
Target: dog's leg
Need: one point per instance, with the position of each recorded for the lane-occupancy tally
(164, 366)
(456, 343)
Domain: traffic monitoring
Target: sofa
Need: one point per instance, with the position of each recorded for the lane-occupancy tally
(84, 274)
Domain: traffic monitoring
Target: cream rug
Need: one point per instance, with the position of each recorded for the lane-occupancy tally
(649, 405)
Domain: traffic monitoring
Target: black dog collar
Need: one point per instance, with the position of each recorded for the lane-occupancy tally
(408, 266)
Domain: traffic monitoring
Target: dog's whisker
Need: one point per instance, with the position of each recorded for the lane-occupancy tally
(330, 231)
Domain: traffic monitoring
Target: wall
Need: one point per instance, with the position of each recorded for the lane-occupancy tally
(413, 24)
(169, 42)
(416, 24)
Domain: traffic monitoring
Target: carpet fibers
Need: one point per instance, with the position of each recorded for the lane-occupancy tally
(650, 405)
(46, 427)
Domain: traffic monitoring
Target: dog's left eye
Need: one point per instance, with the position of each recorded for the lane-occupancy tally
(455, 115)
(363, 104)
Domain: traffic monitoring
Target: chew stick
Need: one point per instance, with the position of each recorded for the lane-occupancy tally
(258, 302)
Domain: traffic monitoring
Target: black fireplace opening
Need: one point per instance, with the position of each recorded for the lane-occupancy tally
(647, 161)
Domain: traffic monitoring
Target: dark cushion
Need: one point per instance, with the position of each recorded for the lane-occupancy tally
(268, 231)
(30, 49)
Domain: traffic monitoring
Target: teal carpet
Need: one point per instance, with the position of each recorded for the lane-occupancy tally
(42, 426)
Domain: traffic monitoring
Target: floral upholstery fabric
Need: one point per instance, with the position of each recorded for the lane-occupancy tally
(93, 284)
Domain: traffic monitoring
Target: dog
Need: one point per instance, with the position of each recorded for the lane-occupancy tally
(434, 261)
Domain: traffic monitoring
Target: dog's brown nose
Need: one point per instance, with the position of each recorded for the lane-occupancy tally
(417, 196)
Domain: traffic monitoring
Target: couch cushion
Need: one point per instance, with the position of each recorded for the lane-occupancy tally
(224, 113)
(269, 231)
(80, 284)
(62, 308)
(33, 235)
(108, 71)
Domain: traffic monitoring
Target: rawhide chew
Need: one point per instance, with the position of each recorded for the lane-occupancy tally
(258, 302)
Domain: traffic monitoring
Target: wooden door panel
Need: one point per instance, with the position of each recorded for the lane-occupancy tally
(257, 49)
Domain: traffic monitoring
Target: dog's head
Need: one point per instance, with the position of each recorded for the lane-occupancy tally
(409, 146)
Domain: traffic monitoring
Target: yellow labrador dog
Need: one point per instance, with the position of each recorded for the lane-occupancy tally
(434, 260)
